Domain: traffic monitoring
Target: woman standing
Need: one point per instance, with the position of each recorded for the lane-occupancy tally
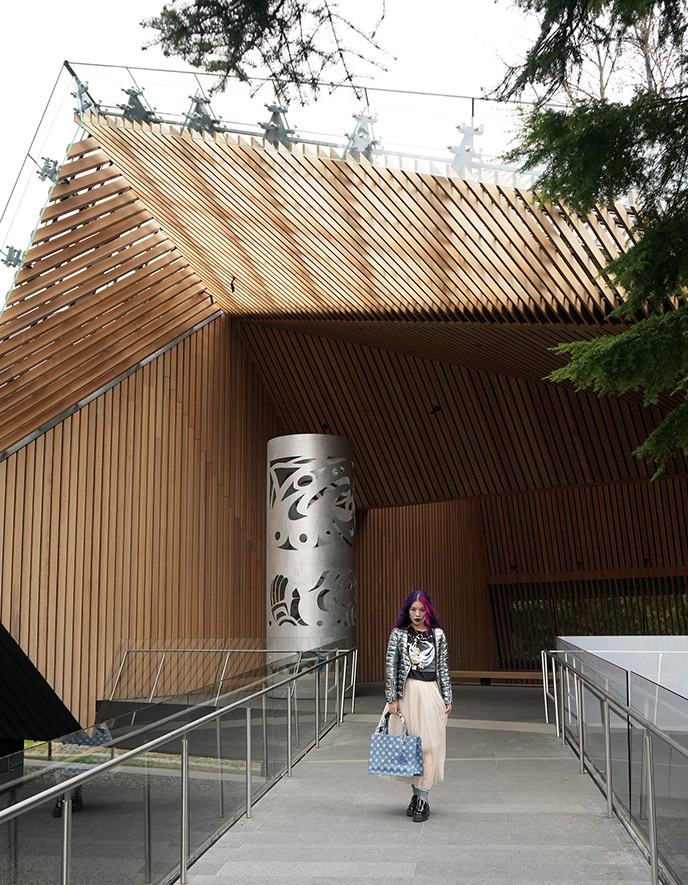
(418, 685)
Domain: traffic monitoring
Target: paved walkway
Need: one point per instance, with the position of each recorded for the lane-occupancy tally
(513, 809)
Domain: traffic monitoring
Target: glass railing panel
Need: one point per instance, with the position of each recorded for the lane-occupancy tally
(671, 791)
(329, 677)
(232, 784)
(161, 787)
(594, 741)
(127, 823)
(412, 123)
(150, 673)
(276, 732)
(594, 737)
(570, 710)
(621, 761)
(206, 788)
(24, 858)
(263, 727)
(50, 763)
(107, 833)
(26, 188)
(303, 713)
(328, 701)
(612, 678)
(142, 722)
(669, 712)
(638, 780)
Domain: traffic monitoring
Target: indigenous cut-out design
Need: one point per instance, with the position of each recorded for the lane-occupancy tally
(311, 584)
(312, 500)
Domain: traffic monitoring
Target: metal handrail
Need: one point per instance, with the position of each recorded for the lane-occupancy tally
(609, 701)
(51, 793)
(166, 651)
(172, 716)
(625, 710)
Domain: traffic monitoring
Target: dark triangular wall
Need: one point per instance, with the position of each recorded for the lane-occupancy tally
(30, 708)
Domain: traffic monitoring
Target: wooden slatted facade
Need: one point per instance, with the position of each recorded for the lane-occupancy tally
(188, 297)
(137, 518)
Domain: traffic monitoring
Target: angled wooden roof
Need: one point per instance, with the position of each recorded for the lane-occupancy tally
(367, 295)
(101, 288)
(278, 233)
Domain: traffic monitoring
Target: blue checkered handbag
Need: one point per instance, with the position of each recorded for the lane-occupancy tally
(396, 755)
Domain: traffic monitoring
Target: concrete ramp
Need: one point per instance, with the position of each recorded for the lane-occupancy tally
(513, 809)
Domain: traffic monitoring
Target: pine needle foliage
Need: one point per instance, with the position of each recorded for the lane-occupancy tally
(298, 43)
(595, 150)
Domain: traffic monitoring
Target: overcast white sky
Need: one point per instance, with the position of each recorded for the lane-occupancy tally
(456, 46)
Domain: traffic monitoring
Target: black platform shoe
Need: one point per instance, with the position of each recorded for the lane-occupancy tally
(57, 810)
(411, 810)
(422, 811)
(77, 800)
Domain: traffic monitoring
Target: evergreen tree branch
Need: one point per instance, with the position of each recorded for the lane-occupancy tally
(296, 42)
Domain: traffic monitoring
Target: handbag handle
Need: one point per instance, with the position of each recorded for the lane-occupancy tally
(383, 725)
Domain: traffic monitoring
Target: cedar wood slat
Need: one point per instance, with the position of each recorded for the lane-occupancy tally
(136, 154)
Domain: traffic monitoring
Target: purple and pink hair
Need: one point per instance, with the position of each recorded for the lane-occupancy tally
(431, 617)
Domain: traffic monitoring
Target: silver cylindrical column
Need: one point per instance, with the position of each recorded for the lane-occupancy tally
(311, 586)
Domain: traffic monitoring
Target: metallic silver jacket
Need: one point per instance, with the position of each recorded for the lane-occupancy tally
(398, 665)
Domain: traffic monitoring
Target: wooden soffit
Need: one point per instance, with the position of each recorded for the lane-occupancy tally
(102, 287)
(299, 234)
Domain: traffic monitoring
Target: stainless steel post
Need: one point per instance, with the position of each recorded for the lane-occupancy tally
(147, 853)
(265, 738)
(354, 672)
(340, 709)
(221, 782)
(562, 706)
(651, 809)
(157, 676)
(608, 756)
(338, 683)
(543, 667)
(119, 673)
(67, 838)
(327, 687)
(289, 749)
(642, 802)
(316, 681)
(555, 695)
(222, 678)
(581, 728)
(184, 853)
(296, 714)
(248, 763)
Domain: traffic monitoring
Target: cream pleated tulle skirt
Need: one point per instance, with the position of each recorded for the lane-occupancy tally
(423, 709)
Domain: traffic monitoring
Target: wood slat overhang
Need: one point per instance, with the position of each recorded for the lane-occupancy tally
(429, 430)
(524, 351)
(295, 234)
(101, 288)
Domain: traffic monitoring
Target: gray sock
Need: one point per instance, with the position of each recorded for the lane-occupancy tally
(422, 794)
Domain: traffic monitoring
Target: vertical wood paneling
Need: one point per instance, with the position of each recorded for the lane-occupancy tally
(436, 547)
(140, 517)
(598, 559)
(621, 529)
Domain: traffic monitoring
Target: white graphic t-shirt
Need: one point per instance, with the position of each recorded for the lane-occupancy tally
(421, 649)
